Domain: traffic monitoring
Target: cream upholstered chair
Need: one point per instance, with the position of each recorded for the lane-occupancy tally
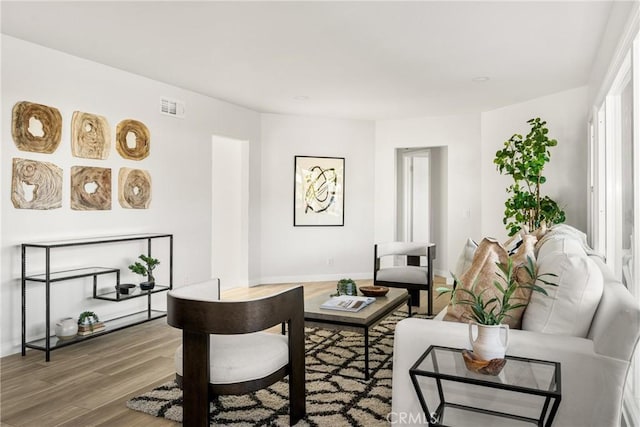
(224, 352)
(415, 272)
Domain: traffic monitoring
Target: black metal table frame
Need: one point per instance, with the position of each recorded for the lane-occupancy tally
(435, 419)
(365, 328)
(47, 281)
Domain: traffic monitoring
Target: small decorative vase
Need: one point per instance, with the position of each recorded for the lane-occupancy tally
(66, 328)
(490, 342)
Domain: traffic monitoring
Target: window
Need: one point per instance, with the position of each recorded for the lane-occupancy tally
(615, 192)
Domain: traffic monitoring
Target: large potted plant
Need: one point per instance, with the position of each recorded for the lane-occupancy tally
(524, 160)
(488, 314)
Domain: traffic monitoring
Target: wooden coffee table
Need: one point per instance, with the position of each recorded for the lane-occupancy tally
(359, 321)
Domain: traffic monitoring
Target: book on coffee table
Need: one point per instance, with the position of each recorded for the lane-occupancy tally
(347, 303)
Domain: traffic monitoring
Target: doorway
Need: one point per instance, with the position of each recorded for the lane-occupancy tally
(413, 218)
(230, 211)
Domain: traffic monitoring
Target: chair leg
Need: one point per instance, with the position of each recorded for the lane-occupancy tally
(297, 392)
(195, 384)
(297, 400)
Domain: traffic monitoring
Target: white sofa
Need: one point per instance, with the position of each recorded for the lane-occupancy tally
(593, 368)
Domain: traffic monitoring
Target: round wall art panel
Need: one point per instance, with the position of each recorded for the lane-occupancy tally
(35, 127)
(90, 136)
(90, 188)
(36, 185)
(134, 188)
(132, 139)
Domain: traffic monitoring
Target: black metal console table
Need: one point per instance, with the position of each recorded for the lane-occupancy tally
(49, 343)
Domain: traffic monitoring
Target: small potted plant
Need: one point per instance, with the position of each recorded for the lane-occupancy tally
(346, 287)
(88, 323)
(145, 270)
(489, 313)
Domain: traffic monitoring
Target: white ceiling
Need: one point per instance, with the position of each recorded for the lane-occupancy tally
(366, 60)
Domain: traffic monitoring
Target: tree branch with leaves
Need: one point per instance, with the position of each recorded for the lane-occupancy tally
(524, 160)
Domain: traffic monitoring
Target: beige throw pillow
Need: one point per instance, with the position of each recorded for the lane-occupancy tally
(484, 271)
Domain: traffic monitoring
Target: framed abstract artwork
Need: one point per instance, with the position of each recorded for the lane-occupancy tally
(318, 191)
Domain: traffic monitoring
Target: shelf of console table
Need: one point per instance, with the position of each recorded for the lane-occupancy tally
(75, 273)
(133, 293)
(110, 326)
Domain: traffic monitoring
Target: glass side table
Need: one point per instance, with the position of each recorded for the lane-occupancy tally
(527, 377)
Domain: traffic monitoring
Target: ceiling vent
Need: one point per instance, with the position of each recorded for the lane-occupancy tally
(172, 107)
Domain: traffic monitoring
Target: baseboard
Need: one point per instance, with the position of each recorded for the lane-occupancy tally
(443, 273)
(309, 278)
(329, 278)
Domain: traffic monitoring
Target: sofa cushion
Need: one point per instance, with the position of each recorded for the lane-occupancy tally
(567, 232)
(570, 306)
(483, 272)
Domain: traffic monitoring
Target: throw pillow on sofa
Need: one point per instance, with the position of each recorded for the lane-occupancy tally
(484, 271)
(570, 306)
(466, 258)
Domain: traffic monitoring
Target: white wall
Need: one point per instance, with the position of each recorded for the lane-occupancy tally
(288, 253)
(622, 26)
(566, 116)
(461, 137)
(179, 164)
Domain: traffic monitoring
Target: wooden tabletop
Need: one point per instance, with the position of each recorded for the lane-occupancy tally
(382, 307)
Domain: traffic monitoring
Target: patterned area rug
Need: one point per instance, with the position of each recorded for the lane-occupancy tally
(337, 394)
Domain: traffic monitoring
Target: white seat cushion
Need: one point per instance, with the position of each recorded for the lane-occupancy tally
(238, 358)
(404, 274)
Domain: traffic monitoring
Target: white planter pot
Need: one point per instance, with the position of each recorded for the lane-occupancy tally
(66, 328)
(491, 340)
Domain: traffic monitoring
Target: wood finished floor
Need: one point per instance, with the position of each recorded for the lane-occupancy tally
(87, 384)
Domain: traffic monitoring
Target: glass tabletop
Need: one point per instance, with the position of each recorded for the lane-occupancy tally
(521, 374)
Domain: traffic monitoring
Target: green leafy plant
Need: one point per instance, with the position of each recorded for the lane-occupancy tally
(147, 269)
(346, 287)
(88, 318)
(495, 309)
(524, 159)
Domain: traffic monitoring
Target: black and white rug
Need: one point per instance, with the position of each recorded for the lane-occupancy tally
(337, 394)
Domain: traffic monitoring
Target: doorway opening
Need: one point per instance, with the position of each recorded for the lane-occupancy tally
(422, 198)
(230, 211)
(413, 218)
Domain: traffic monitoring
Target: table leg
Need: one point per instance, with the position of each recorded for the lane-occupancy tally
(554, 409)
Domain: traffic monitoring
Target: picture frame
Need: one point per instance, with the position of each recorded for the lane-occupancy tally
(318, 199)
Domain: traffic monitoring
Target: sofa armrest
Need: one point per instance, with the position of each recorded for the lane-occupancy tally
(615, 329)
(592, 384)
